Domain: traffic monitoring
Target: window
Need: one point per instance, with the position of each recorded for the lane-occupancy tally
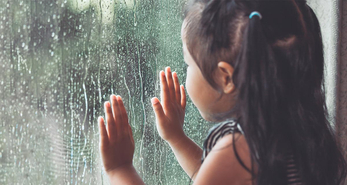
(59, 61)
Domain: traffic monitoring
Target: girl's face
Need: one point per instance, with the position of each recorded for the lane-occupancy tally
(202, 94)
(198, 89)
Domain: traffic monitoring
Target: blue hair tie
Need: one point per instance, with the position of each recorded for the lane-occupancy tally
(255, 13)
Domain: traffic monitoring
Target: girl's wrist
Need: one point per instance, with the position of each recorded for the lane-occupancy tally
(125, 174)
(177, 140)
(121, 169)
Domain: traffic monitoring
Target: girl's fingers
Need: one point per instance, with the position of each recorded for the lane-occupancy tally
(125, 122)
(170, 83)
(164, 93)
(123, 112)
(131, 134)
(183, 99)
(111, 126)
(116, 113)
(177, 87)
(103, 132)
(158, 109)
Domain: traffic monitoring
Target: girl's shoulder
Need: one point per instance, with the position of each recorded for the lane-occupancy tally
(222, 165)
(217, 132)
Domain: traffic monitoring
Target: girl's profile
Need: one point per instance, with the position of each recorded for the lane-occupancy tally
(255, 68)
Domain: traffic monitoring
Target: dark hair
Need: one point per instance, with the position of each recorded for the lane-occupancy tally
(278, 73)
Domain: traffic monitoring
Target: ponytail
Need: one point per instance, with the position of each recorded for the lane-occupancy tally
(258, 95)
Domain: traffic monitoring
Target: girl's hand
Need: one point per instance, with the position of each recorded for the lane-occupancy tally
(171, 110)
(116, 142)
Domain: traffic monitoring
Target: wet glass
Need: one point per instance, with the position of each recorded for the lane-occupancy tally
(60, 60)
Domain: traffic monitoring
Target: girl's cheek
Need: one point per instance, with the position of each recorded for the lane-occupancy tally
(188, 82)
(190, 85)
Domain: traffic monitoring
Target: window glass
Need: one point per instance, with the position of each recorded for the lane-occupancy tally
(60, 60)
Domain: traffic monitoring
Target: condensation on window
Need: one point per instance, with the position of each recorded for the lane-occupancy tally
(60, 60)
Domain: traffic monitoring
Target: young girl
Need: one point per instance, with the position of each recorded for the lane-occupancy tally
(256, 67)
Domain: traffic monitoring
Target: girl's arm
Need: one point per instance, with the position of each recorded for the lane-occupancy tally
(117, 144)
(170, 118)
(125, 175)
(188, 155)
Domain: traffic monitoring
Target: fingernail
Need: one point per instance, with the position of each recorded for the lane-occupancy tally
(99, 118)
(154, 101)
(107, 104)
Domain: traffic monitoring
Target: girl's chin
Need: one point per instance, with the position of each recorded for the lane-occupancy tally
(217, 117)
(208, 117)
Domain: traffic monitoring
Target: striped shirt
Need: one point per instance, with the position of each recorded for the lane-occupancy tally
(231, 126)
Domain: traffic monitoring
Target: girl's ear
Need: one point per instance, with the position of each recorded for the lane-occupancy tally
(223, 76)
